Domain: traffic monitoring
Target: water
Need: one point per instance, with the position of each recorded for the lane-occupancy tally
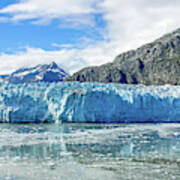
(90, 152)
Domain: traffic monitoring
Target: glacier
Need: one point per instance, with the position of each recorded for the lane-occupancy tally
(74, 102)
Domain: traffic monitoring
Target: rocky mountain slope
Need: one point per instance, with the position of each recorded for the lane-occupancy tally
(46, 72)
(156, 63)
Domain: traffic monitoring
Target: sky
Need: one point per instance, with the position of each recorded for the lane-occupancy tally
(79, 33)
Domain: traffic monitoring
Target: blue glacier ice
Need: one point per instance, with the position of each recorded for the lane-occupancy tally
(88, 102)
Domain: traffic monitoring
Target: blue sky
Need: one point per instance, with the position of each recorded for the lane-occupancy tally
(14, 36)
(17, 35)
(79, 33)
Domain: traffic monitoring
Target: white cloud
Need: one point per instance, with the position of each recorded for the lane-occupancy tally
(69, 59)
(131, 23)
(45, 10)
(66, 46)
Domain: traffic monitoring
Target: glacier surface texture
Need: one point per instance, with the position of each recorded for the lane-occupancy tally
(88, 102)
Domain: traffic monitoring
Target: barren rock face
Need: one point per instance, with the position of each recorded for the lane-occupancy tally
(156, 63)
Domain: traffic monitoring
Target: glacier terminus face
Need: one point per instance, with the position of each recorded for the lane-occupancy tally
(70, 102)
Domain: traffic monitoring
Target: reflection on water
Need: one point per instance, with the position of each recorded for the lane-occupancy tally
(73, 151)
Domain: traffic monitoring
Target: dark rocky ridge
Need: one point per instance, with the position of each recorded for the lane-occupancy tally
(156, 63)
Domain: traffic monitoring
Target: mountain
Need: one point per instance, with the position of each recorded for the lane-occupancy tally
(156, 63)
(46, 73)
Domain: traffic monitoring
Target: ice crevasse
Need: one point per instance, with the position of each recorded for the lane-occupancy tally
(68, 102)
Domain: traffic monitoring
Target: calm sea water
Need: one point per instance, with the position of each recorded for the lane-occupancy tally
(90, 152)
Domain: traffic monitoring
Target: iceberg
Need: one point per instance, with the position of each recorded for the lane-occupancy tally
(74, 102)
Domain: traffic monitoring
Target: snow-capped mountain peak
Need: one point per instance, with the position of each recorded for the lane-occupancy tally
(46, 72)
(53, 65)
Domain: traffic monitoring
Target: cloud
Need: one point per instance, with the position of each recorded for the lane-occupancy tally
(131, 23)
(41, 11)
(69, 59)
